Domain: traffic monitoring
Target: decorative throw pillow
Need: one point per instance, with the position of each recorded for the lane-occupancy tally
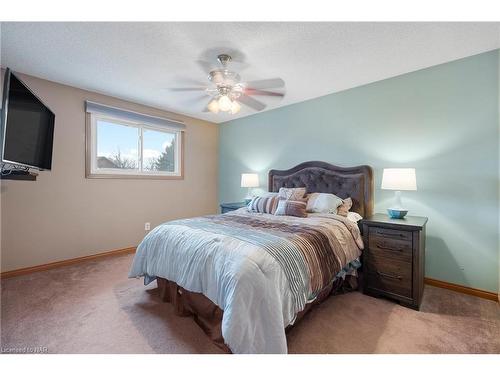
(323, 203)
(344, 208)
(293, 194)
(265, 204)
(288, 207)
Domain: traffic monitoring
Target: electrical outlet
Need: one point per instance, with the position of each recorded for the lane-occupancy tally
(147, 226)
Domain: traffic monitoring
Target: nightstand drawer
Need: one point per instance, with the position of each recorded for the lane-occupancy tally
(388, 247)
(390, 234)
(390, 275)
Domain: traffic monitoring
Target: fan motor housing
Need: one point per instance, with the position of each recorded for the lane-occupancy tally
(224, 77)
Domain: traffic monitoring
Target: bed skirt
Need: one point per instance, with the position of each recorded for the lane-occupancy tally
(209, 316)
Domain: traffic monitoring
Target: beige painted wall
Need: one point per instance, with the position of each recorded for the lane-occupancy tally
(498, 88)
(63, 215)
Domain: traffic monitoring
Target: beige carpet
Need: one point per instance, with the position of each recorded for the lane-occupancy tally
(93, 308)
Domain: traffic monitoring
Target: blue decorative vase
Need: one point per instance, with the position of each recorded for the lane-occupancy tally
(396, 214)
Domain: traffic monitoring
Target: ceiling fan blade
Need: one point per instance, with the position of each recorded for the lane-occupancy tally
(264, 93)
(265, 83)
(205, 105)
(186, 88)
(198, 101)
(251, 102)
(195, 101)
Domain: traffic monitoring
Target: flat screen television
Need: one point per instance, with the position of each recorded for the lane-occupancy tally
(27, 127)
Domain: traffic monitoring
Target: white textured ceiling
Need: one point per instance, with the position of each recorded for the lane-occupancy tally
(139, 61)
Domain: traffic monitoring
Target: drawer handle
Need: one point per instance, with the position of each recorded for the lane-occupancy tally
(389, 275)
(384, 247)
(393, 235)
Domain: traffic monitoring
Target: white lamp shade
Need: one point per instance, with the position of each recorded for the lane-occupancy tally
(399, 179)
(249, 180)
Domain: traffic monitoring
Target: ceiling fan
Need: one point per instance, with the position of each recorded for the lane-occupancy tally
(227, 91)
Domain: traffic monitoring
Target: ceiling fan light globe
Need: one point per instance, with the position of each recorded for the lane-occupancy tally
(224, 103)
(235, 107)
(217, 77)
(213, 106)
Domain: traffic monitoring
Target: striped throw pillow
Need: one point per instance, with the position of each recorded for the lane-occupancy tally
(265, 204)
(291, 208)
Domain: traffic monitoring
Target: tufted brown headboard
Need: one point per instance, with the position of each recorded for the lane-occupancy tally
(321, 177)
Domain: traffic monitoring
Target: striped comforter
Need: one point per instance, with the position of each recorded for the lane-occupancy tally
(260, 269)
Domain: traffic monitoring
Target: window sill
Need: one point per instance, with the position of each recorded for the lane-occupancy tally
(133, 176)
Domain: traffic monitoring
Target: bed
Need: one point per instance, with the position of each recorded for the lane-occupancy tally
(248, 277)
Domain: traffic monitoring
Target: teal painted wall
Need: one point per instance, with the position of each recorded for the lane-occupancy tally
(441, 120)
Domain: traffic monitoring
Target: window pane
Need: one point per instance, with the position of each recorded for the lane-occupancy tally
(117, 146)
(158, 152)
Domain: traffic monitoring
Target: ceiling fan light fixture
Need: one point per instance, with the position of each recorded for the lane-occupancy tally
(227, 92)
(224, 103)
(235, 107)
(216, 77)
(213, 106)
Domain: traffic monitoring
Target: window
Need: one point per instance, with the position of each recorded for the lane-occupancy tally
(123, 144)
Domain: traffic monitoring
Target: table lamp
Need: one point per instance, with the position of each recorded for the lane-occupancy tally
(398, 179)
(249, 180)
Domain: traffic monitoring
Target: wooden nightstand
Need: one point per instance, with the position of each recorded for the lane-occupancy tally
(394, 258)
(226, 207)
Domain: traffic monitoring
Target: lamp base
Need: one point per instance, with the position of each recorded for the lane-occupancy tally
(397, 213)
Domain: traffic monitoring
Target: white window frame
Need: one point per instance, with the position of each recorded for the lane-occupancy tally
(91, 150)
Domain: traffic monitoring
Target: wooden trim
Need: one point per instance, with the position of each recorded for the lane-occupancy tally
(88, 143)
(67, 262)
(462, 289)
(44, 267)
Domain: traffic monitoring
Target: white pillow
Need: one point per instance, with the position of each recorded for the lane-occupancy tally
(323, 203)
(354, 216)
